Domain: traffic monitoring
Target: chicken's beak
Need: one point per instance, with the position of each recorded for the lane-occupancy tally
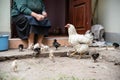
(66, 26)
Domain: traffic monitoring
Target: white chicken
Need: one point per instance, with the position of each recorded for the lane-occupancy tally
(89, 35)
(79, 42)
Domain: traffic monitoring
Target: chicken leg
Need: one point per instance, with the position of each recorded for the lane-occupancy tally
(73, 53)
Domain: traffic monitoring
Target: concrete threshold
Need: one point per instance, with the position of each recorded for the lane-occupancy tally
(14, 42)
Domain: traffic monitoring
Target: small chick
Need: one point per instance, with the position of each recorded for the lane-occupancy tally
(95, 56)
(68, 53)
(117, 63)
(116, 45)
(56, 44)
(14, 65)
(36, 50)
(51, 56)
(20, 47)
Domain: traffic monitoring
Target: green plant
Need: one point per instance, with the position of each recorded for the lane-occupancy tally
(65, 77)
(5, 76)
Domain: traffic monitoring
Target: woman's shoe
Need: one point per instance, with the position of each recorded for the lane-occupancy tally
(44, 47)
(36, 45)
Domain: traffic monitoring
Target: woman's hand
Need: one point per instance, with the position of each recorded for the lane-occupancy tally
(39, 17)
(44, 14)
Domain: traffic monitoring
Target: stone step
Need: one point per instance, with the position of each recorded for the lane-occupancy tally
(14, 42)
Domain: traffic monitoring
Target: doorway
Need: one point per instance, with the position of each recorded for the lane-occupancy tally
(61, 12)
(57, 13)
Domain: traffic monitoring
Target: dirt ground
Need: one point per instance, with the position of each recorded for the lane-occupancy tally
(65, 68)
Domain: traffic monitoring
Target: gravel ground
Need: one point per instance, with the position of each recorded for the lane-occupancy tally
(65, 68)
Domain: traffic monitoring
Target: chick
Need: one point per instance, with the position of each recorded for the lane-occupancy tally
(95, 56)
(68, 53)
(56, 44)
(116, 45)
(51, 56)
(117, 63)
(14, 65)
(20, 47)
(36, 50)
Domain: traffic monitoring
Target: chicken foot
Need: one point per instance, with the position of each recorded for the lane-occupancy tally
(80, 56)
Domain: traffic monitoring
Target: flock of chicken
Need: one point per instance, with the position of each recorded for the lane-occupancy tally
(79, 42)
(82, 42)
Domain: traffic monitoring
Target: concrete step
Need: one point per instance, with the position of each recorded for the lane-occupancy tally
(14, 42)
(13, 54)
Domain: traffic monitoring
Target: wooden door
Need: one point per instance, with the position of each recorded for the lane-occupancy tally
(80, 14)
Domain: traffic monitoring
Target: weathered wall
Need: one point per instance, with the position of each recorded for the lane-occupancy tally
(4, 16)
(109, 17)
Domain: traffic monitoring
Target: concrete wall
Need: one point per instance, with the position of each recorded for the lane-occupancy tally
(4, 16)
(109, 17)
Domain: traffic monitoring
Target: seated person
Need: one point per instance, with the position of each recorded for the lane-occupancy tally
(30, 18)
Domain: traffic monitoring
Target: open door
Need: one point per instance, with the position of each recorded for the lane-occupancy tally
(80, 14)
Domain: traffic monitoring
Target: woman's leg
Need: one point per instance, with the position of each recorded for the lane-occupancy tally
(40, 39)
(22, 26)
(30, 40)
